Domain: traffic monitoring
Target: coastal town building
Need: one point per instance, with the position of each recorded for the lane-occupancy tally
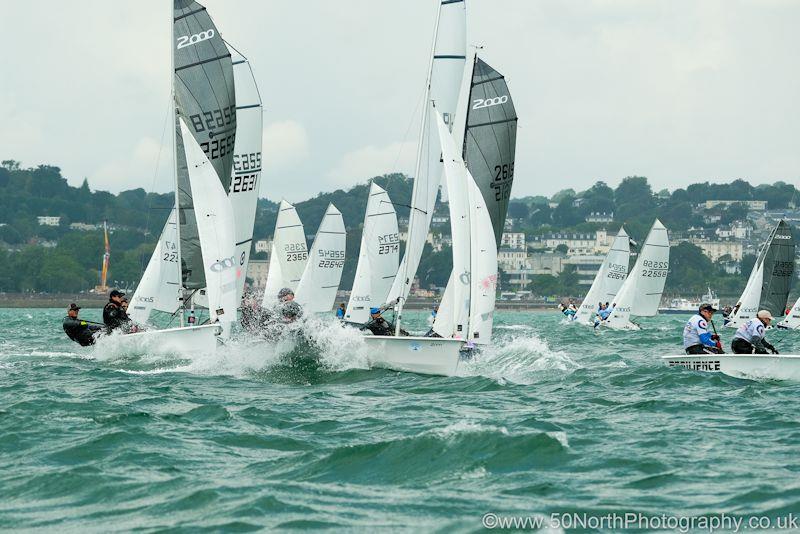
(257, 272)
(515, 240)
(263, 245)
(48, 220)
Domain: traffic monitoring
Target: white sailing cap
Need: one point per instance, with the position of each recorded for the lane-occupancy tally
(764, 314)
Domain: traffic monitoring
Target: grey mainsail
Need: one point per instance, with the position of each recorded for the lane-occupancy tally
(778, 262)
(490, 140)
(205, 98)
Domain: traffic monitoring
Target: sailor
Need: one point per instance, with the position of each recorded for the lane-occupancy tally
(432, 316)
(79, 331)
(192, 320)
(696, 337)
(340, 311)
(285, 295)
(289, 309)
(378, 325)
(114, 315)
(726, 315)
(749, 338)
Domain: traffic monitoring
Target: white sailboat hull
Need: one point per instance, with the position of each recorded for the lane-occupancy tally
(627, 325)
(415, 354)
(753, 366)
(189, 339)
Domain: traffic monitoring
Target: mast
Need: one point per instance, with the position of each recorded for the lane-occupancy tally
(106, 257)
(418, 165)
(173, 126)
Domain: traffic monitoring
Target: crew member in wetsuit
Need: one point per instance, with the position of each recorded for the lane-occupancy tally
(380, 326)
(749, 338)
(78, 330)
(696, 337)
(289, 309)
(114, 315)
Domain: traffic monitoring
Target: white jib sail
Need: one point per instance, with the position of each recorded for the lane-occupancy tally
(751, 296)
(609, 278)
(246, 177)
(642, 290)
(378, 257)
(216, 229)
(446, 72)
(319, 283)
(289, 254)
(452, 320)
(483, 255)
(159, 288)
(792, 320)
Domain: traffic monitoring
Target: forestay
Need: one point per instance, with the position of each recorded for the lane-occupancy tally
(609, 278)
(378, 257)
(288, 256)
(205, 99)
(444, 80)
(319, 283)
(642, 290)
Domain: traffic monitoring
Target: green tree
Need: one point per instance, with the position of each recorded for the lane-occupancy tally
(633, 198)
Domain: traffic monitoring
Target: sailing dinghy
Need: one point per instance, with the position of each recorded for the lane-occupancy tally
(609, 279)
(419, 354)
(197, 250)
(770, 280)
(641, 292)
(477, 142)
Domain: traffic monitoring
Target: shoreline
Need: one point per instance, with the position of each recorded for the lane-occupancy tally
(97, 301)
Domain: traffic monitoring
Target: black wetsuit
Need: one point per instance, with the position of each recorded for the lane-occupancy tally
(115, 317)
(79, 331)
(381, 327)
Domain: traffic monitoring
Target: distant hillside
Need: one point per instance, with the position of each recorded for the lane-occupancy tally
(58, 258)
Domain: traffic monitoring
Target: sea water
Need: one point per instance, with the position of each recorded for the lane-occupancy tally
(554, 418)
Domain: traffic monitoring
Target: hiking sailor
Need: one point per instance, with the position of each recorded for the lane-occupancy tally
(696, 337)
(78, 330)
(114, 315)
(749, 338)
(380, 326)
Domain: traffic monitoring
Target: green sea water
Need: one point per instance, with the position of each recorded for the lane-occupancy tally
(553, 418)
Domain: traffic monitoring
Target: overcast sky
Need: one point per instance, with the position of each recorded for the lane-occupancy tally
(676, 90)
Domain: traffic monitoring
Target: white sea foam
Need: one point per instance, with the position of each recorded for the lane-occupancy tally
(522, 360)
